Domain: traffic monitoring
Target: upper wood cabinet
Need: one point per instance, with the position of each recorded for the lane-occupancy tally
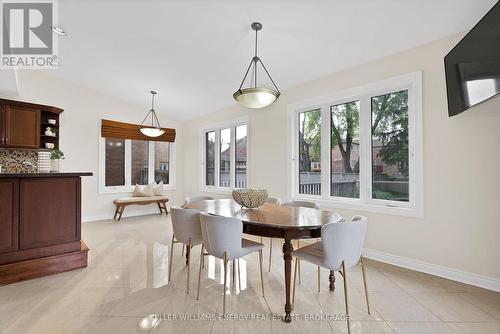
(22, 127)
(22, 124)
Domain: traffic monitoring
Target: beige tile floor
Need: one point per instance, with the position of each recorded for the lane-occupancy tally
(126, 281)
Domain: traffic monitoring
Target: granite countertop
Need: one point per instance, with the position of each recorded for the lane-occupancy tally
(61, 174)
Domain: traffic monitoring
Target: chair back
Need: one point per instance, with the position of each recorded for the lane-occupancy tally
(303, 204)
(186, 224)
(273, 200)
(192, 199)
(221, 234)
(343, 242)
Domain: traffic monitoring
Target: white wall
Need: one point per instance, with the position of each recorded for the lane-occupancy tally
(461, 225)
(80, 132)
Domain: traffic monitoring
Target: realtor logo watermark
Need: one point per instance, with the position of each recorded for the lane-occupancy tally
(27, 38)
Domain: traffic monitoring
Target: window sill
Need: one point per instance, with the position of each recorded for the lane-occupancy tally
(365, 207)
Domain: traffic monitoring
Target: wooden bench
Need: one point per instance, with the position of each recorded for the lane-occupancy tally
(121, 203)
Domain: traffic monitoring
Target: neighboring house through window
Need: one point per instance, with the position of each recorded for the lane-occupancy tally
(123, 163)
(360, 148)
(225, 156)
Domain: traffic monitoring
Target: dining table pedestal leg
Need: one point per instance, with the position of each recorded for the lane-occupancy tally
(332, 280)
(287, 256)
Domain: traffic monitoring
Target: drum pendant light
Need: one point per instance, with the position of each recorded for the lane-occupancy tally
(155, 129)
(256, 97)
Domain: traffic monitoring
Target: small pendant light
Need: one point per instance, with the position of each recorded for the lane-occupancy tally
(256, 97)
(155, 129)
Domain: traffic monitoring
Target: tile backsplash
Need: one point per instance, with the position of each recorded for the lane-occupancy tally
(12, 161)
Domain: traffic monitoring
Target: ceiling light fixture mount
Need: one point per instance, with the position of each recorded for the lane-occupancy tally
(155, 129)
(59, 30)
(256, 97)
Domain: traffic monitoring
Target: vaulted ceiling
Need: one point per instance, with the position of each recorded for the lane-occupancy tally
(194, 53)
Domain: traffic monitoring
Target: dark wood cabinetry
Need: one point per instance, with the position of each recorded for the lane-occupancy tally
(22, 127)
(9, 209)
(22, 124)
(40, 225)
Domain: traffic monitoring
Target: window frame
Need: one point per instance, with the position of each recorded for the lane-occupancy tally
(128, 187)
(414, 207)
(232, 124)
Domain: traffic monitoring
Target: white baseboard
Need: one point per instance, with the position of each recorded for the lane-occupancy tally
(92, 218)
(489, 283)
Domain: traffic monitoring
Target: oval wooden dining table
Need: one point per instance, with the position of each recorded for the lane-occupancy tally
(275, 221)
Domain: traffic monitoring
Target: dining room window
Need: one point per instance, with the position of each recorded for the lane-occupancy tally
(139, 161)
(225, 156)
(360, 148)
(309, 148)
(162, 163)
(123, 163)
(115, 162)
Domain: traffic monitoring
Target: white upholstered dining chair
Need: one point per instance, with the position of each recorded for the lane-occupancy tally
(340, 248)
(222, 238)
(273, 200)
(192, 199)
(186, 230)
(302, 204)
(277, 201)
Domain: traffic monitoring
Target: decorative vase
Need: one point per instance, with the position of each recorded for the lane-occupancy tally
(249, 198)
(54, 165)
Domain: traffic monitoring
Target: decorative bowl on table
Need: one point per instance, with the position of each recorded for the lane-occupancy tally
(250, 198)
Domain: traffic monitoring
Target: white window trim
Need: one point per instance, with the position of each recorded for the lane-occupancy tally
(217, 127)
(128, 187)
(413, 208)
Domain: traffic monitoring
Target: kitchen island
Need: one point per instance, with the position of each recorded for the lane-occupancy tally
(40, 225)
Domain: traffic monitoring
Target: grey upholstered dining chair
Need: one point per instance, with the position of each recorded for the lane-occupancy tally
(186, 229)
(340, 247)
(222, 238)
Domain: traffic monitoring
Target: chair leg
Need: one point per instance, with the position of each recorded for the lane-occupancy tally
(116, 212)
(225, 284)
(270, 253)
(344, 275)
(188, 265)
(298, 246)
(294, 282)
(365, 283)
(170, 260)
(319, 279)
(234, 275)
(261, 276)
(202, 259)
(239, 275)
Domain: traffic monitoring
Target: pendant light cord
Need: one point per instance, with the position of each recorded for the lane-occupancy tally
(255, 60)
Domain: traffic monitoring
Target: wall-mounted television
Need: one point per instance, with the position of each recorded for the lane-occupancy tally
(473, 66)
